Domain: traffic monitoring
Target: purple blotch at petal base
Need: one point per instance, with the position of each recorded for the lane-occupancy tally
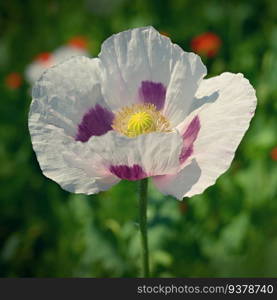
(97, 121)
(129, 173)
(153, 93)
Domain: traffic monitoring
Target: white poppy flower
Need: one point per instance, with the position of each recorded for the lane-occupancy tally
(142, 109)
(45, 60)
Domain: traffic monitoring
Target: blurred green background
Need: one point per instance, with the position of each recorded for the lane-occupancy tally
(229, 230)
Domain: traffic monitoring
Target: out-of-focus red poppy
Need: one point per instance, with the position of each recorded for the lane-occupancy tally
(273, 153)
(13, 80)
(43, 57)
(207, 44)
(78, 42)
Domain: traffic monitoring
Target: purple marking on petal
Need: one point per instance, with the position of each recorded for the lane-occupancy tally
(129, 173)
(152, 92)
(97, 121)
(186, 153)
(189, 137)
(192, 129)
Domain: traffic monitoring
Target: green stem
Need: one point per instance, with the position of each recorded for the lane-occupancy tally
(143, 224)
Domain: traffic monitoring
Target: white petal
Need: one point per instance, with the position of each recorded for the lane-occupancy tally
(34, 71)
(223, 121)
(65, 52)
(66, 92)
(154, 153)
(185, 78)
(142, 54)
(71, 164)
(60, 98)
(179, 184)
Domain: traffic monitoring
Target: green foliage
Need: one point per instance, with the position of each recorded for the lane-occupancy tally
(230, 230)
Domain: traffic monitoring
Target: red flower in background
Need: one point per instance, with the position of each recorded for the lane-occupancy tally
(13, 80)
(207, 44)
(44, 58)
(273, 153)
(78, 42)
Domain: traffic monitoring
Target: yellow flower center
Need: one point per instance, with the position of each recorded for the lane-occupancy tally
(140, 119)
(139, 123)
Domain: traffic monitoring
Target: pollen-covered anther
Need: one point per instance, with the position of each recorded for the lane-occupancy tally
(140, 119)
